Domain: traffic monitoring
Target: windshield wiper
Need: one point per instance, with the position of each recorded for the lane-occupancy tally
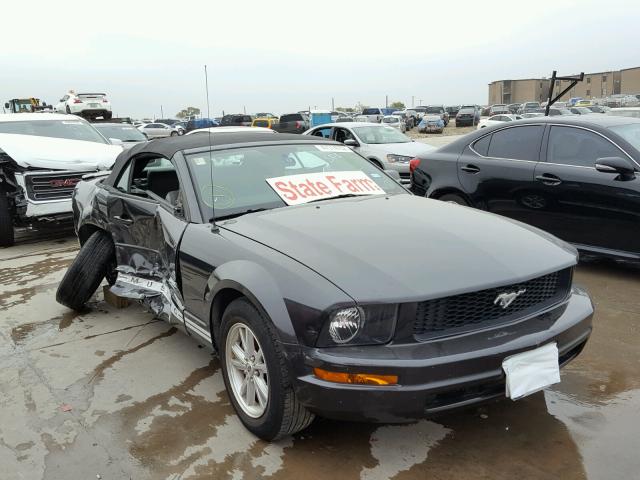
(238, 214)
(344, 195)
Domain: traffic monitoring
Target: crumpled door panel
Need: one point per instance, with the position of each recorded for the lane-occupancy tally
(147, 258)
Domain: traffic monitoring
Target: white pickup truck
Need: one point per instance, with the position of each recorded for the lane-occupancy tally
(373, 114)
(42, 158)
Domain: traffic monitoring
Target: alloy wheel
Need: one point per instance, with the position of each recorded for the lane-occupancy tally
(247, 370)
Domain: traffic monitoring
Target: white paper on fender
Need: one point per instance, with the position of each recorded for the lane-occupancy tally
(303, 188)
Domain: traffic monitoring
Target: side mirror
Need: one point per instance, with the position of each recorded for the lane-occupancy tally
(115, 141)
(618, 165)
(350, 142)
(394, 174)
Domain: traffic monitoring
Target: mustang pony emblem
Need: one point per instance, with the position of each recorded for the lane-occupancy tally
(505, 299)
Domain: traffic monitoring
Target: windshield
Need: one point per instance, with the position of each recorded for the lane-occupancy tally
(126, 133)
(24, 106)
(380, 134)
(70, 129)
(630, 132)
(434, 110)
(390, 120)
(238, 180)
(371, 111)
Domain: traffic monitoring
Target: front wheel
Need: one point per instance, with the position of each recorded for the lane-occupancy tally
(453, 198)
(94, 261)
(256, 374)
(173, 134)
(6, 222)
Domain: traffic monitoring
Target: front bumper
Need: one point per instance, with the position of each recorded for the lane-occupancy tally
(436, 375)
(58, 210)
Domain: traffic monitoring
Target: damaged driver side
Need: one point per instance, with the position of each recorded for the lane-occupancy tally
(147, 218)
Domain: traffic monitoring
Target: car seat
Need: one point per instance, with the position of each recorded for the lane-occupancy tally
(161, 182)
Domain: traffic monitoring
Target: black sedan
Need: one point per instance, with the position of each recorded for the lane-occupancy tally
(577, 177)
(276, 253)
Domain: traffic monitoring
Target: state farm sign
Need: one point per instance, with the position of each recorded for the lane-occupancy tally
(303, 188)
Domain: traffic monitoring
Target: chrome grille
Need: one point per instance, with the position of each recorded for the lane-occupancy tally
(52, 186)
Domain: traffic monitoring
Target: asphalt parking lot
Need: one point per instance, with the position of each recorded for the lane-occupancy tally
(116, 394)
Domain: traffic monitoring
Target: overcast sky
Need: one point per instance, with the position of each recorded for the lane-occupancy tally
(281, 55)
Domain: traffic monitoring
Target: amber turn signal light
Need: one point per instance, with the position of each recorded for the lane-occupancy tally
(355, 378)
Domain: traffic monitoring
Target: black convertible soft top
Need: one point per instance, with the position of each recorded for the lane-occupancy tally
(167, 147)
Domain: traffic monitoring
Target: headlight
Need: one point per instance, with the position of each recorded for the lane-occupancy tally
(391, 158)
(362, 325)
(344, 324)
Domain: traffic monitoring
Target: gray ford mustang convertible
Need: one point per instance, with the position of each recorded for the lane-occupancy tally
(324, 286)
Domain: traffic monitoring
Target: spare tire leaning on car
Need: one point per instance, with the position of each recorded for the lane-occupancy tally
(6, 222)
(91, 265)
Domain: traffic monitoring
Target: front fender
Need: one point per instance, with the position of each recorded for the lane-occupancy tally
(86, 206)
(257, 284)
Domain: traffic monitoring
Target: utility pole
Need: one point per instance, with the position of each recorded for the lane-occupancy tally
(386, 101)
(333, 107)
(245, 109)
(161, 112)
(412, 102)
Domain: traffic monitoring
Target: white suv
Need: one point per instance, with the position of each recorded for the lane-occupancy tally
(88, 105)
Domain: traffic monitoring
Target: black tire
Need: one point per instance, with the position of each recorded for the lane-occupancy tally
(454, 198)
(68, 110)
(174, 134)
(7, 237)
(84, 275)
(107, 115)
(284, 414)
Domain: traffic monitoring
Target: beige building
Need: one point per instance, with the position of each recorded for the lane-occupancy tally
(594, 85)
(518, 91)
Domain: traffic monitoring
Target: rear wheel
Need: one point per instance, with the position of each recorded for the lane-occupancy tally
(256, 374)
(6, 221)
(454, 198)
(173, 134)
(94, 261)
(68, 109)
(107, 116)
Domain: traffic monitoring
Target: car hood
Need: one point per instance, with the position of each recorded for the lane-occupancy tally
(413, 149)
(58, 153)
(404, 248)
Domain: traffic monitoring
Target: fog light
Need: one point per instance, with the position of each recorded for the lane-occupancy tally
(356, 378)
(345, 323)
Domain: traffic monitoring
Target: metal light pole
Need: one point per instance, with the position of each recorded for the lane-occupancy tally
(386, 101)
(161, 112)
